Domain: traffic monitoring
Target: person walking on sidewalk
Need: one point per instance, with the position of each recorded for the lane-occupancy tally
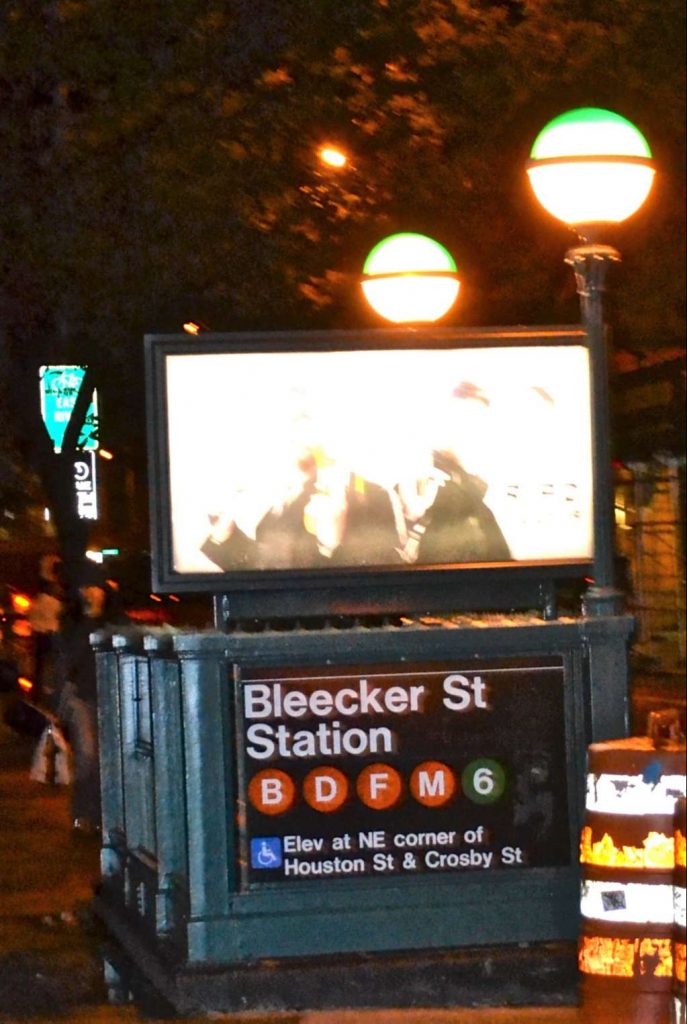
(77, 709)
(45, 617)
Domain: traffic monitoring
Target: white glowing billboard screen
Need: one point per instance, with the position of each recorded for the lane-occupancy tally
(292, 459)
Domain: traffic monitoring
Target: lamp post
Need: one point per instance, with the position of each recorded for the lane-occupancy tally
(590, 168)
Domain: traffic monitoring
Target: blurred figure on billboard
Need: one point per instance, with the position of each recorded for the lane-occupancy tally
(353, 520)
(446, 515)
(262, 524)
(316, 513)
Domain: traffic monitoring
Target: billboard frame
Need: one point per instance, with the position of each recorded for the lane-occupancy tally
(345, 591)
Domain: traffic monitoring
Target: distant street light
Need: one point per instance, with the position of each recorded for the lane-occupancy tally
(332, 156)
(591, 168)
(195, 327)
(410, 278)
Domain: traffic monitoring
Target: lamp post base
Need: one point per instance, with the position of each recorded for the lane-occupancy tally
(591, 251)
(602, 601)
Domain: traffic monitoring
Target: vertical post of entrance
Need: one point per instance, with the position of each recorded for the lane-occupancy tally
(590, 264)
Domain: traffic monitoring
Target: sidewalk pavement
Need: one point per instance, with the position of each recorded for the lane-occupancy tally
(51, 969)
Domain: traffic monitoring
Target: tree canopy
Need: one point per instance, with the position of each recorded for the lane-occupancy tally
(159, 165)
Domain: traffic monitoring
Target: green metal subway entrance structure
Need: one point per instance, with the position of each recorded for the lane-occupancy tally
(366, 782)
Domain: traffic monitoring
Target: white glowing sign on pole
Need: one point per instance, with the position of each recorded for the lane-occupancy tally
(86, 487)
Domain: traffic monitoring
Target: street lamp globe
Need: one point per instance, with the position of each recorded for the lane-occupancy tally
(409, 278)
(590, 166)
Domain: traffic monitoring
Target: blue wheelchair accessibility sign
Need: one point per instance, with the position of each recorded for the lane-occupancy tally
(266, 853)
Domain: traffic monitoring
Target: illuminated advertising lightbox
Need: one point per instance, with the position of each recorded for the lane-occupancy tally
(314, 460)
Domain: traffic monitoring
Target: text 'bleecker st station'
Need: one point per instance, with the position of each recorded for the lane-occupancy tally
(271, 701)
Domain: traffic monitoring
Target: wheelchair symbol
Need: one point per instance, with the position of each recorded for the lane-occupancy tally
(266, 853)
(266, 856)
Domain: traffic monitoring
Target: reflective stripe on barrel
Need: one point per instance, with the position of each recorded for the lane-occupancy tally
(630, 901)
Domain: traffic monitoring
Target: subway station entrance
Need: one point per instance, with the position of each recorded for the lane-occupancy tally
(372, 769)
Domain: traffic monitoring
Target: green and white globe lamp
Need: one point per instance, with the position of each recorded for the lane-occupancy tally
(410, 279)
(591, 166)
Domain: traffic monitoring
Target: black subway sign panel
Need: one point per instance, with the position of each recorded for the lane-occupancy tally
(375, 770)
